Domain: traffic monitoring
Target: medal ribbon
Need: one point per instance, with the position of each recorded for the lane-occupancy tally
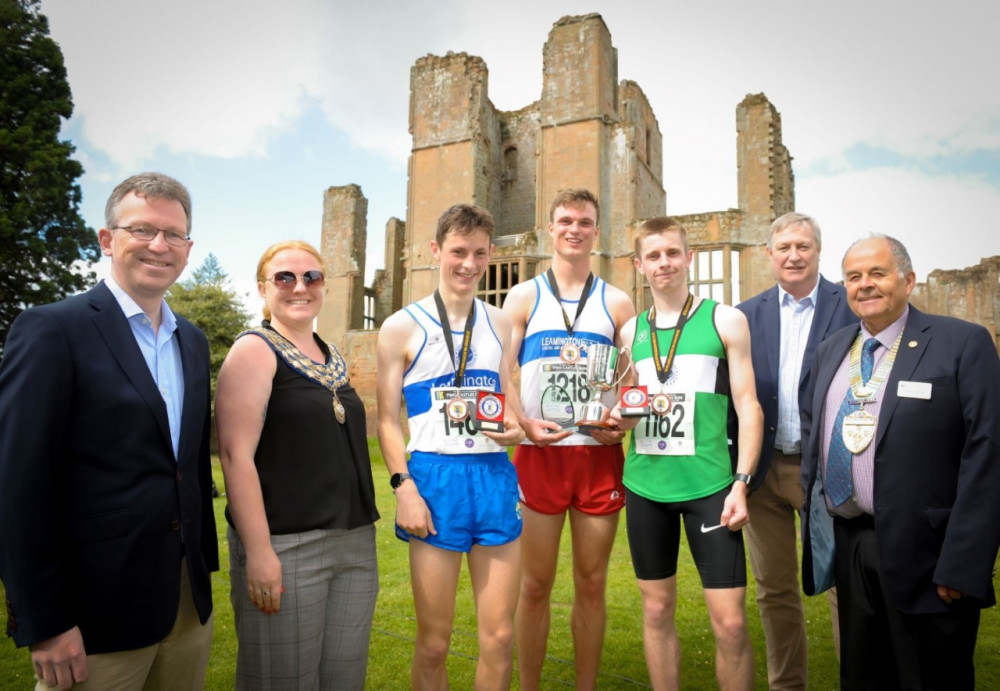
(579, 306)
(466, 338)
(663, 368)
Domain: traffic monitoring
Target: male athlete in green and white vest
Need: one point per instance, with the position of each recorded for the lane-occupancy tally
(692, 355)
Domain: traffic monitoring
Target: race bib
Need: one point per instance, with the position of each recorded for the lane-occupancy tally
(670, 434)
(454, 436)
(569, 381)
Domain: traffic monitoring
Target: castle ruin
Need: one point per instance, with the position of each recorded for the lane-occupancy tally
(587, 130)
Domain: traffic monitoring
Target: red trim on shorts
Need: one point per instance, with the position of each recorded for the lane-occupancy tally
(552, 479)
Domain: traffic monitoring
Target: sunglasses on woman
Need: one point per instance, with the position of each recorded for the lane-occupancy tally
(285, 280)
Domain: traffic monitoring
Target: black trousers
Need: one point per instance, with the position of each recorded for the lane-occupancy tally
(883, 648)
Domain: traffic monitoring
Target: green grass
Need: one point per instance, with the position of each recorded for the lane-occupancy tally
(622, 664)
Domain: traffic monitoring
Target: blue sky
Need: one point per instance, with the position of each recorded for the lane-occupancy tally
(258, 107)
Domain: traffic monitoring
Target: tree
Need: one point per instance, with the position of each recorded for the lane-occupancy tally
(209, 302)
(46, 249)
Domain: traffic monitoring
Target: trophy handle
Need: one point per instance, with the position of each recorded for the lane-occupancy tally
(624, 350)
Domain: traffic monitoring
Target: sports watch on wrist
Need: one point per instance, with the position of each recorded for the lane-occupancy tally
(397, 479)
(742, 477)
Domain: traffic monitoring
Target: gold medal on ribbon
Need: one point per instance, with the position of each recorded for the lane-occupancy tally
(858, 430)
(661, 404)
(457, 409)
(569, 353)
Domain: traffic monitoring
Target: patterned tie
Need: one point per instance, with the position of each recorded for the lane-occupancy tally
(838, 484)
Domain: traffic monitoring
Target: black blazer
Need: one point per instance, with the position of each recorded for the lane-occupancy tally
(763, 313)
(937, 465)
(95, 511)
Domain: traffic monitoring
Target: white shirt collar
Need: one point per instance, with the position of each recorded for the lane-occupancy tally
(812, 294)
(131, 308)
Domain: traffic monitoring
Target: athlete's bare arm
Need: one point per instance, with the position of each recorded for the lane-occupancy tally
(622, 311)
(732, 327)
(412, 514)
(627, 333)
(512, 434)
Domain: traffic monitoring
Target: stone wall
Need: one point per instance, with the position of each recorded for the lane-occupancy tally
(972, 294)
(518, 174)
(358, 348)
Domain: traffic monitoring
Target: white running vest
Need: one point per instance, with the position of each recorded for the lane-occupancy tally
(429, 383)
(545, 334)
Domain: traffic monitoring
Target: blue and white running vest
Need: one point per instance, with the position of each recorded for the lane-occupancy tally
(545, 334)
(429, 383)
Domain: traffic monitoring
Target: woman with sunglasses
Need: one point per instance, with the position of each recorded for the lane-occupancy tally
(301, 500)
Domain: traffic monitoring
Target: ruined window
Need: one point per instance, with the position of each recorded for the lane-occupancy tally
(369, 316)
(715, 274)
(510, 164)
(501, 276)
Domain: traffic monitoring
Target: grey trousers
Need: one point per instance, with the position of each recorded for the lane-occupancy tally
(319, 638)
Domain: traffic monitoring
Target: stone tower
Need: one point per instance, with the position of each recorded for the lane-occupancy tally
(587, 130)
(343, 239)
(765, 182)
(455, 141)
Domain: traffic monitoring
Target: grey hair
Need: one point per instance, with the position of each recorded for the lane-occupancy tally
(793, 218)
(899, 254)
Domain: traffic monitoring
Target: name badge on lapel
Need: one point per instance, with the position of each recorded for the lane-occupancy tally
(914, 389)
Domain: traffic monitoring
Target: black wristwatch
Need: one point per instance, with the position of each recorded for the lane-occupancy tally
(742, 477)
(397, 479)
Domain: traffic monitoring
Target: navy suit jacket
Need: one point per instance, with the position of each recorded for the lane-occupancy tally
(937, 465)
(763, 313)
(95, 511)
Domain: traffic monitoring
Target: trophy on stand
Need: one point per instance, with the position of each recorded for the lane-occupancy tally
(602, 365)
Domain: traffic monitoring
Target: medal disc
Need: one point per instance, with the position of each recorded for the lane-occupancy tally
(490, 407)
(661, 404)
(569, 353)
(457, 409)
(634, 397)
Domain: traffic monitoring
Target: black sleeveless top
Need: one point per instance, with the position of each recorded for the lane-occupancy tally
(315, 473)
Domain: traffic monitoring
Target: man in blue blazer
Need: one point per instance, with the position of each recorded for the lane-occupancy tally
(105, 479)
(787, 322)
(901, 462)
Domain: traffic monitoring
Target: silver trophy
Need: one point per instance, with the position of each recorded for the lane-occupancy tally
(602, 367)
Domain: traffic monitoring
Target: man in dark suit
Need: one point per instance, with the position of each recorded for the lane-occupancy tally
(787, 322)
(901, 461)
(105, 479)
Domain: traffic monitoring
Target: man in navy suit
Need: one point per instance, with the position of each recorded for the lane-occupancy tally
(787, 322)
(105, 479)
(901, 462)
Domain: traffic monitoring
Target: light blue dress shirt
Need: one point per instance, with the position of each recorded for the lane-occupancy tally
(796, 321)
(162, 353)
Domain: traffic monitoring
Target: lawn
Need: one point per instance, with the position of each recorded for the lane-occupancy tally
(622, 664)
